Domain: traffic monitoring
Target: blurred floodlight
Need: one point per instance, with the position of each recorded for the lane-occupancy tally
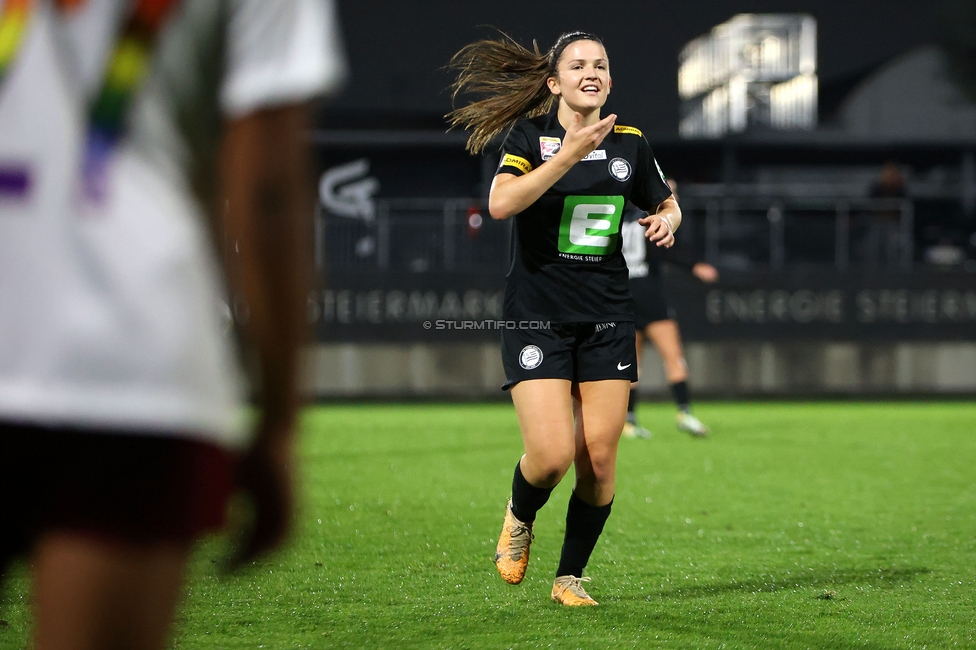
(755, 71)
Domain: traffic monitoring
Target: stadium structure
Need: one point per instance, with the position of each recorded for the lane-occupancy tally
(830, 284)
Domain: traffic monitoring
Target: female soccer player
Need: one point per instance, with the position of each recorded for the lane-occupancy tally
(654, 318)
(564, 176)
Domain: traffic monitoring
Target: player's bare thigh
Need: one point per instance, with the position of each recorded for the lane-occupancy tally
(545, 412)
(601, 409)
(91, 593)
(667, 339)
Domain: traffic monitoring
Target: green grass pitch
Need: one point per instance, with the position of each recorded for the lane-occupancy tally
(795, 525)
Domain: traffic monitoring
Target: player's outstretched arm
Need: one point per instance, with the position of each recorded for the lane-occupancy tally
(663, 223)
(511, 194)
(264, 177)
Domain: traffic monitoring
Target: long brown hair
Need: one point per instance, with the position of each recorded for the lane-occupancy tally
(514, 80)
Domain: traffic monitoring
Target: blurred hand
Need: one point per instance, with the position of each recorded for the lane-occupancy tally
(705, 272)
(265, 477)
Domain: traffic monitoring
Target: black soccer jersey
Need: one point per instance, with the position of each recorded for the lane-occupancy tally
(567, 265)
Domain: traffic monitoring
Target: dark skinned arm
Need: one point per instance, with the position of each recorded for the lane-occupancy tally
(265, 184)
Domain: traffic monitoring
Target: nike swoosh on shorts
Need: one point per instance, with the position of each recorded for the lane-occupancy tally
(620, 367)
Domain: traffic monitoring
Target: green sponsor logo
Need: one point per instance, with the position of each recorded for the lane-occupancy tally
(590, 225)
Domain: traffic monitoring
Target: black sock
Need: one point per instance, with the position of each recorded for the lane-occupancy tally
(631, 406)
(527, 499)
(584, 523)
(680, 392)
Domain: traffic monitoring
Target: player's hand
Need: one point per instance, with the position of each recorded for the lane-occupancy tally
(705, 272)
(658, 230)
(581, 141)
(265, 477)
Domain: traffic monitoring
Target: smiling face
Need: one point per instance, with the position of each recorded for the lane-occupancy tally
(582, 78)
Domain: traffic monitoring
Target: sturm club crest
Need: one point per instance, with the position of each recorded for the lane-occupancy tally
(619, 169)
(530, 357)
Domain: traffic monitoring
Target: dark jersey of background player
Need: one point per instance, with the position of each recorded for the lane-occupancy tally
(567, 264)
(644, 272)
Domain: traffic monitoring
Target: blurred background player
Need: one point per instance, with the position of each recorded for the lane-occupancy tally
(882, 243)
(121, 428)
(654, 318)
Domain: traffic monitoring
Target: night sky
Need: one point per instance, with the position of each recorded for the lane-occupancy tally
(396, 49)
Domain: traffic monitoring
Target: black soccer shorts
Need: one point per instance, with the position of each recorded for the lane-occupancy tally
(650, 302)
(578, 352)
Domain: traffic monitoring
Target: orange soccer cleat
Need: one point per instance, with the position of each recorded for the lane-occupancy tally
(512, 552)
(568, 590)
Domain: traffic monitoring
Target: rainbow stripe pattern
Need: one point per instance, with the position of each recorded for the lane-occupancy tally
(14, 19)
(127, 69)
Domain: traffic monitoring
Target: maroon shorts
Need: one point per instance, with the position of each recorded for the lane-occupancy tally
(121, 486)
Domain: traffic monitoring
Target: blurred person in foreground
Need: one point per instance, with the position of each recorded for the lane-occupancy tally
(654, 319)
(122, 433)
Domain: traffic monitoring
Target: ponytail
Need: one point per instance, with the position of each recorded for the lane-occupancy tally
(513, 77)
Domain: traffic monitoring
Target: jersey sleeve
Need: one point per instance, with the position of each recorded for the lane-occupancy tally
(516, 153)
(650, 188)
(280, 52)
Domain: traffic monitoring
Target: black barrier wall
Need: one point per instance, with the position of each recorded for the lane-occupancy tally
(442, 307)
(917, 306)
